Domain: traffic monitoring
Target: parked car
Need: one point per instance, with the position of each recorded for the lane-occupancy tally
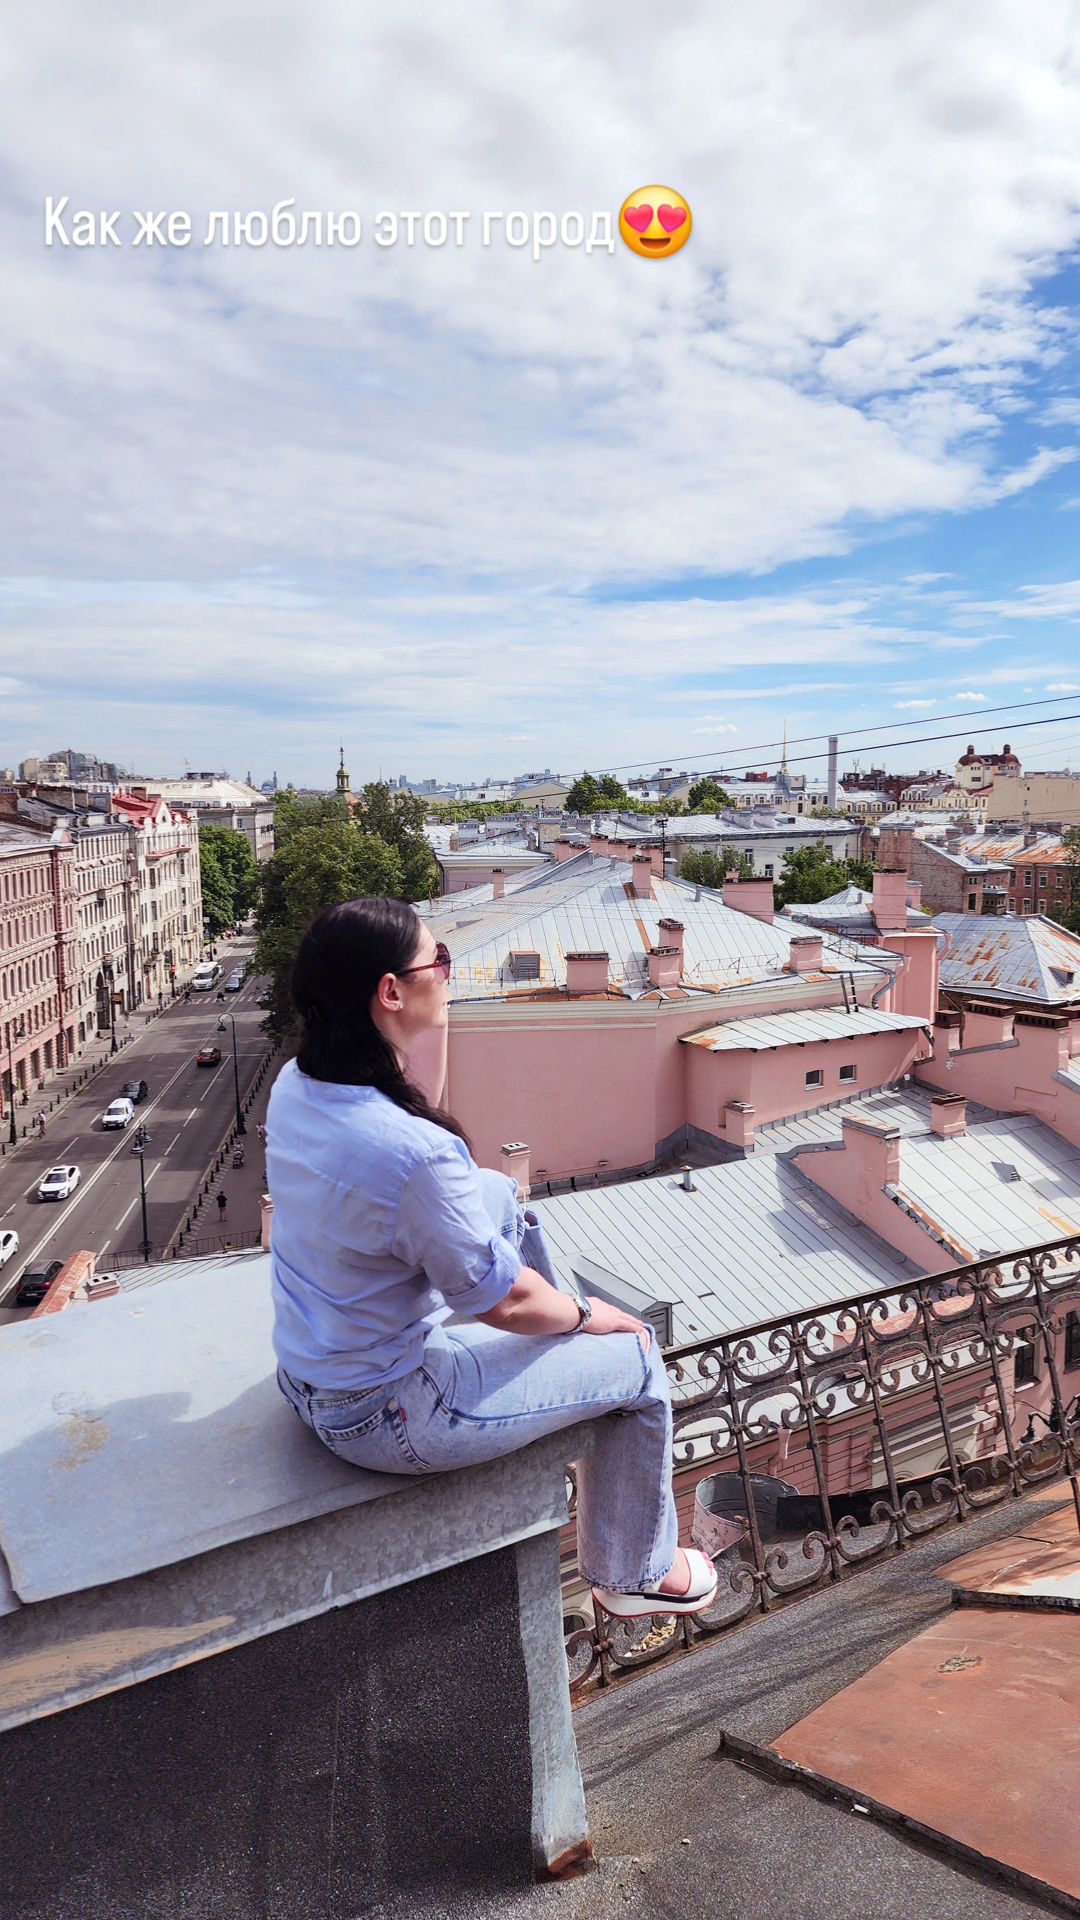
(234, 983)
(58, 1183)
(9, 1245)
(120, 1114)
(34, 1284)
(208, 1057)
(135, 1090)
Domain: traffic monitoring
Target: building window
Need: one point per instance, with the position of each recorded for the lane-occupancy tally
(816, 1077)
(1072, 1341)
(847, 1074)
(1027, 907)
(971, 903)
(1027, 877)
(1042, 879)
(767, 872)
(1025, 1368)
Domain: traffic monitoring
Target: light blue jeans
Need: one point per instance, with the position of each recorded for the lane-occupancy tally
(480, 1393)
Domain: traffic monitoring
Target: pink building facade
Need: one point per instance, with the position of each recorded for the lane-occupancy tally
(592, 1072)
(39, 958)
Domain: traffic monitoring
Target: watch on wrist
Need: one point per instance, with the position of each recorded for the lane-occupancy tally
(584, 1308)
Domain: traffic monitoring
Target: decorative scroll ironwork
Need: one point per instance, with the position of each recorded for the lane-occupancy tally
(880, 1419)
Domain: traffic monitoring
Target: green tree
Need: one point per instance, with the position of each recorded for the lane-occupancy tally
(398, 819)
(707, 796)
(319, 865)
(450, 812)
(708, 869)
(217, 913)
(811, 873)
(295, 810)
(232, 852)
(1070, 912)
(584, 795)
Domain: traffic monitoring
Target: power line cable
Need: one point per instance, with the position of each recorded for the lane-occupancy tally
(925, 719)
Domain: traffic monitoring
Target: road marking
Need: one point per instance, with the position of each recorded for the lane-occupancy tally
(173, 1141)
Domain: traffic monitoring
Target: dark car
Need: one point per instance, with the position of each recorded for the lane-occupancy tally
(135, 1090)
(35, 1283)
(208, 1057)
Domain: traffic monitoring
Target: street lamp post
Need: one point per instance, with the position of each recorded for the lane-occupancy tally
(13, 1131)
(240, 1127)
(139, 1145)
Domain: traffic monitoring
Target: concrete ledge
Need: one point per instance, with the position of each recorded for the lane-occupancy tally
(187, 1574)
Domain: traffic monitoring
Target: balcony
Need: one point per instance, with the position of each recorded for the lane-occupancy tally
(386, 1654)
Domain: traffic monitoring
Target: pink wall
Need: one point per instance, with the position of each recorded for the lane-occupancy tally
(774, 1082)
(915, 989)
(604, 1080)
(856, 1173)
(1016, 1077)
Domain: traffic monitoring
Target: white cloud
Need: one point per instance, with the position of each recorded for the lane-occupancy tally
(969, 696)
(710, 725)
(901, 705)
(385, 479)
(1061, 686)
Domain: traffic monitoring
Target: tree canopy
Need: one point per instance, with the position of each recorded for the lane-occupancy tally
(707, 796)
(1070, 912)
(590, 795)
(811, 873)
(708, 869)
(230, 878)
(324, 855)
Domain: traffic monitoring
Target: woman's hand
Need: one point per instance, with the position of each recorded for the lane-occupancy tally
(608, 1319)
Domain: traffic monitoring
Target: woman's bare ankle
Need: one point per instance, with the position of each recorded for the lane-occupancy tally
(678, 1580)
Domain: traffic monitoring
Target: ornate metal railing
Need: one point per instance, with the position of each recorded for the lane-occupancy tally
(821, 1442)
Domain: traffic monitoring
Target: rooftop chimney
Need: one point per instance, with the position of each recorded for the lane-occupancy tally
(754, 897)
(948, 1114)
(641, 870)
(515, 1158)
(807, 953)
(874, 1148)
(890, 902)
(665, 966)
(498, 883)
(674, 936)
(687, 1181)
(586, 972)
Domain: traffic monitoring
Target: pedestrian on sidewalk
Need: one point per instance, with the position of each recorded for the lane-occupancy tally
(383, 1220)
(222, 1203)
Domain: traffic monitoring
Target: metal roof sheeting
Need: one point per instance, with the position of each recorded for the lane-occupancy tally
(996, 1188)
(594, 909)
(796, 1029)
(752, 1241)
(1011, 957)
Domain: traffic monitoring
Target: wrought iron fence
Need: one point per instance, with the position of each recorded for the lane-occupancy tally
(223, 1242)
(821, 1442)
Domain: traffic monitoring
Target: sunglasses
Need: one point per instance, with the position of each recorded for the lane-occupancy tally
(442, 962)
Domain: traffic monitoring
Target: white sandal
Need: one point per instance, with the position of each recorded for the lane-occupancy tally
(700, 1594)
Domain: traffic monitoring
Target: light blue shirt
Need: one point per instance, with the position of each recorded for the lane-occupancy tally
(379, 1233)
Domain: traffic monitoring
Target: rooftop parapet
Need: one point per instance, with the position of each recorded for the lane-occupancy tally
(202, 1606)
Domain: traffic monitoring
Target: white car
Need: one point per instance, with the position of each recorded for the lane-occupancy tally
(58, 1183)
(9, 1244)
(118, 1114)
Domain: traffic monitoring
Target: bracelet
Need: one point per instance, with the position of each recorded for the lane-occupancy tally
(584, 1308)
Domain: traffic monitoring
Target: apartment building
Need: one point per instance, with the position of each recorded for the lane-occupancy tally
(39, 956)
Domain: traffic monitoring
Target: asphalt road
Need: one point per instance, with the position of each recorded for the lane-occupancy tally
(186, 1113)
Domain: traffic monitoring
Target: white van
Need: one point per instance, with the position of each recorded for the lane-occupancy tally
(206, 977)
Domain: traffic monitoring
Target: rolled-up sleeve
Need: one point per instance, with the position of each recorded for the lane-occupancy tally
(444, 1228)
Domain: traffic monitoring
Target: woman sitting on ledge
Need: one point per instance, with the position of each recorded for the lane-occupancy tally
(384, 1226)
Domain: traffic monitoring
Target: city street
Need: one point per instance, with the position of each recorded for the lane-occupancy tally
(186, 1113)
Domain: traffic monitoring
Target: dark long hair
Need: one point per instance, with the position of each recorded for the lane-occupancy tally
(341, 959)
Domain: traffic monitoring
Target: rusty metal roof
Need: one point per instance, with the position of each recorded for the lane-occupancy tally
(1012, 957)
(800, 1027)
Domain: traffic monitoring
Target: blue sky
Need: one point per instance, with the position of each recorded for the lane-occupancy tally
(475, 513)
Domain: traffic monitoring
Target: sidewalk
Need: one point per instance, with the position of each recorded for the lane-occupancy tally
(244, 1186)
